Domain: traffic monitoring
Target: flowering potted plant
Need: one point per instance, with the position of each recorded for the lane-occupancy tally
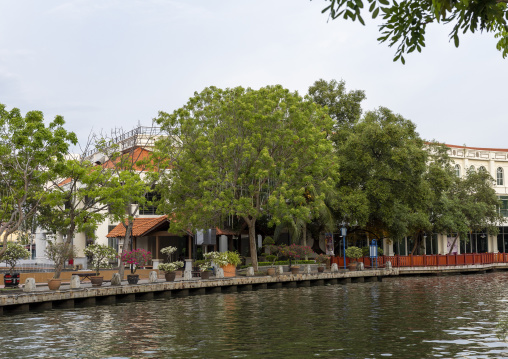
(137, 258)
(204, 268)
(226, 260)
(296, 252)
(170, 267)
(12, 255)
(100, 256)
(322, 259)
(353, 253)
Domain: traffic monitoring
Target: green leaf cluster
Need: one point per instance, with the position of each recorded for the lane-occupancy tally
(404, 23)
(246, 153)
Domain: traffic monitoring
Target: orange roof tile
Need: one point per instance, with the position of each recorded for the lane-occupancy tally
(140, 227)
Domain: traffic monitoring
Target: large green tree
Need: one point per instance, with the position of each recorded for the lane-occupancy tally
(405, 22)
(382, 163)
(470, 204)
(82, 197)
(29, 151)
(247, 153)
(344, 107)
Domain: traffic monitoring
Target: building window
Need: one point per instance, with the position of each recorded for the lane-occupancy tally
(503, 209)
(471, 169)
(457, 170)
(500, 181)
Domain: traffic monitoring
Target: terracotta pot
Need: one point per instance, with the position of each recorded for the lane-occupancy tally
(54, 284)
(170, 276)
(352, 266)
(96, 281)
(320, 269)
(132, 278)
(270, 271)
(295, 269)
(229, 270)
(205, 274)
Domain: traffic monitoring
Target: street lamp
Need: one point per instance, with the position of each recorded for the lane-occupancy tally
(343, 232)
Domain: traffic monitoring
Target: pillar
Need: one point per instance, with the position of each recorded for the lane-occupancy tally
(492, 244)
(223, 243)
(387, 247)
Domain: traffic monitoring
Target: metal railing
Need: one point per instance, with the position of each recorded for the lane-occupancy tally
(433, 260)
(141, 130)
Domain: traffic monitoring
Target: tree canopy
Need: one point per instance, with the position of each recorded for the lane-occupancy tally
(247, 153)
(405, 22)
(29, 150)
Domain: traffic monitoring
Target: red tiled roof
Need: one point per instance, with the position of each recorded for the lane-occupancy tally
(140, 227)
(227, 232)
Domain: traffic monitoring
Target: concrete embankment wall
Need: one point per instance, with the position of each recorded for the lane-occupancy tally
(42, 300)
(43, 277)
(89, 296)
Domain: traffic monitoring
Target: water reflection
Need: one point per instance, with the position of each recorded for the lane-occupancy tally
(447, 317)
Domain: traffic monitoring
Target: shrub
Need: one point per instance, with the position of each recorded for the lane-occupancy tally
(137, 258)
(295, 251)
(170, 267)
(13, 254)
(100, 256)
(222, 259)
(354, 252)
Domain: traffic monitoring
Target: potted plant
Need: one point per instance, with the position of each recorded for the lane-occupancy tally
(226, 260)
(58, 253)
(100, 255)
(295, 252)
(353, 253)
(322, 259)
(203, 266)
(271, 258)
(137, 258)
(169, 269)
(12, 255)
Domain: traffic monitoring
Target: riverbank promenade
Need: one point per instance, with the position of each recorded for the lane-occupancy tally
(14, 301)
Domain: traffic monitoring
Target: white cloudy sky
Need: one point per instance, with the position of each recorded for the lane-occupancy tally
(116, 63)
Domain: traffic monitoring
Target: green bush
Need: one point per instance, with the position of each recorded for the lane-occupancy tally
(354, 252)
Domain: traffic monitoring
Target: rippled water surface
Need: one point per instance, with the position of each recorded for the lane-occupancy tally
(431, 317)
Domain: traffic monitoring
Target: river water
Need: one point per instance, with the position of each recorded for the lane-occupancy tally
(411, 317)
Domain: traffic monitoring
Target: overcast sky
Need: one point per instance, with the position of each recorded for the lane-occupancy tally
(116, 63)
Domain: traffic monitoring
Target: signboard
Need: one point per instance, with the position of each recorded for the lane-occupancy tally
(449, 243)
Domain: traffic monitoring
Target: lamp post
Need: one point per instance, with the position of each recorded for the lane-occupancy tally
(343, 232)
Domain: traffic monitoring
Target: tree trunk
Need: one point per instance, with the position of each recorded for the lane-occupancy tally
(61, 262)
(304, 238)
(252, 242)
(127, 246)
(417, 240)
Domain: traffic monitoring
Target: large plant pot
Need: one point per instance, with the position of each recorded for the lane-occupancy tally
(270, 271)
(320, 269)
(132, 278)
(170, 276)
(11, 280)
(96, 281)
(295, 269)
(54, 284)
(352, 266)
(229, 270)
(206, 274)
